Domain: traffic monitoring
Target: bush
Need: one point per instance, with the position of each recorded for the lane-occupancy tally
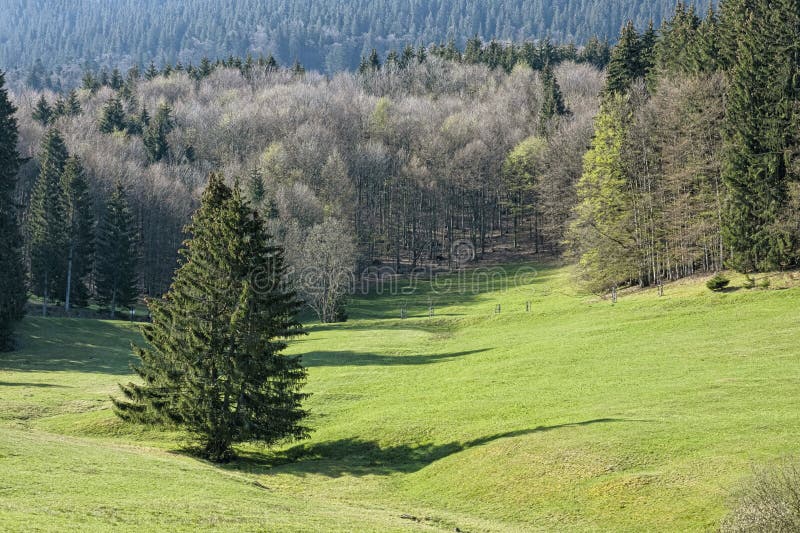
(718, 282)
(769, 501)
(765, 283)
(749, 282)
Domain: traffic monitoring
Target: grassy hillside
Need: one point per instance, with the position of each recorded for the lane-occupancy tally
(579, 415)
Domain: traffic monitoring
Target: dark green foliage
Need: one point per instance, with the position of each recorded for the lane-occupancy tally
(155, 134)
(116, 258)
(12, 282)
(256, 186)
(553, 101)
(626, 64)
(80, 233)
(73, 105)
(112, 117)
(42, 113)
(151, 71)
(89, 82)
(761, 102)
(47, 234)
(718, 282)
(213, 360)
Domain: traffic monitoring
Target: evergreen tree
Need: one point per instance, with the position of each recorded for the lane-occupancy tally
(151, 72)
(47, 231)
(80, 233)
(256, 186)
(762, 97)
(89, 82)
(42, 113)
(213, 361)
(552, 102)
(155, 134)
(12, 283)
(625, 65)
(116, 258)
(112, 117)
(73, 105)
(116, 79)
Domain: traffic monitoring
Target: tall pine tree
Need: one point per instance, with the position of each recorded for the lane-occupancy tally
(553, 101)
(47, 231)
(80, 233)
(762, 96)
(213, 361)
(116, 257)
(12, 282)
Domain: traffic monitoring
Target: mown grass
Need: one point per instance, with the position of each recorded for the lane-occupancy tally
(578, 415)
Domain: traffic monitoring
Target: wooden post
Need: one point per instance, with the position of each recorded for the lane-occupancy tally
(614, 294)
(660, 288)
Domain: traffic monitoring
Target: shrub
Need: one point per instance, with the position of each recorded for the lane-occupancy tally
(749, 282)
(718, 282)
(765, 283)
(769, 501)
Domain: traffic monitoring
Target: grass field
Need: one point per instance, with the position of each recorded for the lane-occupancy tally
(580, 415)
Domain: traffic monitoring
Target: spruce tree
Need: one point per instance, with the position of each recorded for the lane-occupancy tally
(213, 361)
(42, 113)
(73, 105)
(116, 257)
(12, 282)
(552, 102)
(761, 99)
(80, 233)
(112, 118)
(47, 231)
(155, 134)
(256, 186)
(625, 65)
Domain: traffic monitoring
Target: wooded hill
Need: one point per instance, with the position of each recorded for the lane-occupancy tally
(327, 36)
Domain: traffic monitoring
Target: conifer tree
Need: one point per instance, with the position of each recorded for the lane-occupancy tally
(762, 94)
(112, 117)
(553, 101)
(213, 361)
(151, 72)
(256, 186)
(155, 134)
(116, 258)
(42, 113)
(73, 105)
(80, 233)
(12, 282)
(47, 231)
(625, 65)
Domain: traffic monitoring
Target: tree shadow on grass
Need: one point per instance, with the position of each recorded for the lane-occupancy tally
(349, 358)
(357, 457)
(71, 345)
(23, 384)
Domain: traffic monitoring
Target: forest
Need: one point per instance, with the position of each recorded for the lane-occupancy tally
(326, 36)
(417, 151)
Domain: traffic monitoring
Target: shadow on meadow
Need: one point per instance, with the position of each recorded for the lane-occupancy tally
(357, 457)
(72, 345)
(349, 358)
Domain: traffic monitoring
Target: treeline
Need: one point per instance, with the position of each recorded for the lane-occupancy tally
(693, 166)
(387, 166)
(325, 36)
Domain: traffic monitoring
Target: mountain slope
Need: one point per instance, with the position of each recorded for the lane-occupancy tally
(329, 35)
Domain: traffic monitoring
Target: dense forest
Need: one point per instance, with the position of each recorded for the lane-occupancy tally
(679, 157)
(326, 36)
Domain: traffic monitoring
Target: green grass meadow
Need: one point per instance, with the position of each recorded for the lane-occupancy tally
(578, 415)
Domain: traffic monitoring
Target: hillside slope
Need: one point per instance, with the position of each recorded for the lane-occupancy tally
(578, 415)
(329, 35)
